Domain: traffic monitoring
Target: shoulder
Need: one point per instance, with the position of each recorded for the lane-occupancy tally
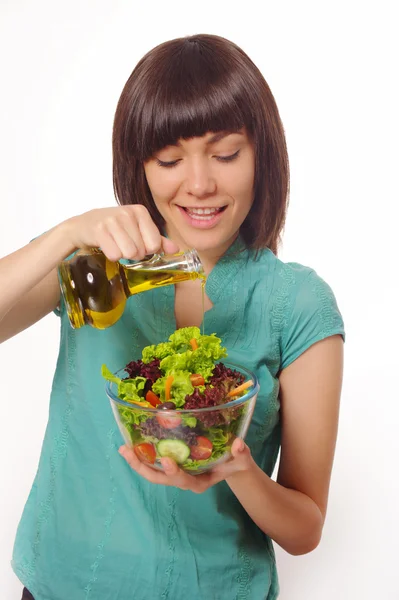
(285, 277)
(303, 307)
(290, 278)
(307, 290)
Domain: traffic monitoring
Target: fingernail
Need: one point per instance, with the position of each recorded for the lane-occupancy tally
(122, 451)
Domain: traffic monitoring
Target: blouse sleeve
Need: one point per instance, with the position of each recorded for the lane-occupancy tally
(314, 317)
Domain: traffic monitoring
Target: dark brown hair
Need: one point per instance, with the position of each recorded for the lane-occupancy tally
(188, 87)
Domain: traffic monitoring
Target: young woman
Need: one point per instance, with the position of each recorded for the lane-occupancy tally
(199, 161)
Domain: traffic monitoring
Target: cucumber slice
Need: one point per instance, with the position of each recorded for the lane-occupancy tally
(175, 449)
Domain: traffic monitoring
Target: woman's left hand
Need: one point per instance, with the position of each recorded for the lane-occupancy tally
(241, 460)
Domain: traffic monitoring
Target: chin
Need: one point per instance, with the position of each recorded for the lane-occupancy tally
(206, 242)
(203, 240)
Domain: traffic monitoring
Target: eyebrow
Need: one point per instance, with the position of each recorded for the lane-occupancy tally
(220, 135)
(216, 137)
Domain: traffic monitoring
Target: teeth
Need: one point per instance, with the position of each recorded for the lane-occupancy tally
(202, 211)
(202, 217)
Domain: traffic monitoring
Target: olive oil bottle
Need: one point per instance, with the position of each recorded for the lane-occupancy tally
(95, 289)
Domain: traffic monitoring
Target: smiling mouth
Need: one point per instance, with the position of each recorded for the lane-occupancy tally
(203, 214)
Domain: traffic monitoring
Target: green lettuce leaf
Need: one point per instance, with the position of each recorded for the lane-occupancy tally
(160, 351)
(189, 421)
(176, 362)
(132, 389)
(219, 438)
(128, 389)
(209, 351)
(181, 387)
(211, 346)
(201, 361)
(177, 353)
(106, 373)
(202, 364)
(181, 337)
(159, 388)
(132, 417)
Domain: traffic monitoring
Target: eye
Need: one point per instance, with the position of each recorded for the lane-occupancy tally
(228, 158)
(167, 164)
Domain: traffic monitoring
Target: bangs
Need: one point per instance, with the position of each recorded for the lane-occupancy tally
(187, 95)
(185, 117)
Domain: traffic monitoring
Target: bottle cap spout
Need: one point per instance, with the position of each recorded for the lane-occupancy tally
(194, 262)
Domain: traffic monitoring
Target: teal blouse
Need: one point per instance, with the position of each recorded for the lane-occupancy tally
(92, 529)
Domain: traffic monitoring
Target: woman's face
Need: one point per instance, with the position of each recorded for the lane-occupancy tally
(203, 188)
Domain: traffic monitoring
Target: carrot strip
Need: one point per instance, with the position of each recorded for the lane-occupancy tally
(168, 386)
(194, 344)
(143, 404)
(241, 388)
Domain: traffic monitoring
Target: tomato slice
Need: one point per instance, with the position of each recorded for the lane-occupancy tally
(152, 398)
(197, 379)
(145, 452)
(168, 421)
(203, 449)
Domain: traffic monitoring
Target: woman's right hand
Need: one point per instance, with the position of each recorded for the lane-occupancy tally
(28, 277)
(121, 232)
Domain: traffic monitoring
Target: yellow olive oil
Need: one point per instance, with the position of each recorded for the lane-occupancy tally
(203, 283)
(96, 289)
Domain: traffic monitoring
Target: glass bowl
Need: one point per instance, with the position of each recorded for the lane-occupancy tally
(197, 439)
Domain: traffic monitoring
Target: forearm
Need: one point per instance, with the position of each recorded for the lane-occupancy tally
(23, 269)
(290, 518)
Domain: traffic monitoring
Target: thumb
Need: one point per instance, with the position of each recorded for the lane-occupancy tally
(238, 447)
(169, 246)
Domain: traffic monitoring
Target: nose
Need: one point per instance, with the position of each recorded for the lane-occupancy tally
(200, 181)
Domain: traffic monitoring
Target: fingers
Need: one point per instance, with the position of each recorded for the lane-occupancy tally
(179, 478)
(134, 232)
(121, 232)
(140, 468)
(172, 475)
(241, 460)
(238, 446)
(127, 240)
(170, 467)
(149, 232)
(137, 236)
(106, 242)
(145, 234)
(169, 246)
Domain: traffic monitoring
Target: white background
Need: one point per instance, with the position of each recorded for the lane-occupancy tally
(333, 71)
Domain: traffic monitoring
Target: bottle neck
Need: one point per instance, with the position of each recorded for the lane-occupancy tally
(183, 262)
(162, 270)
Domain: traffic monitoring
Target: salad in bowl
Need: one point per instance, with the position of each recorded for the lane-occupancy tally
(181, 400)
